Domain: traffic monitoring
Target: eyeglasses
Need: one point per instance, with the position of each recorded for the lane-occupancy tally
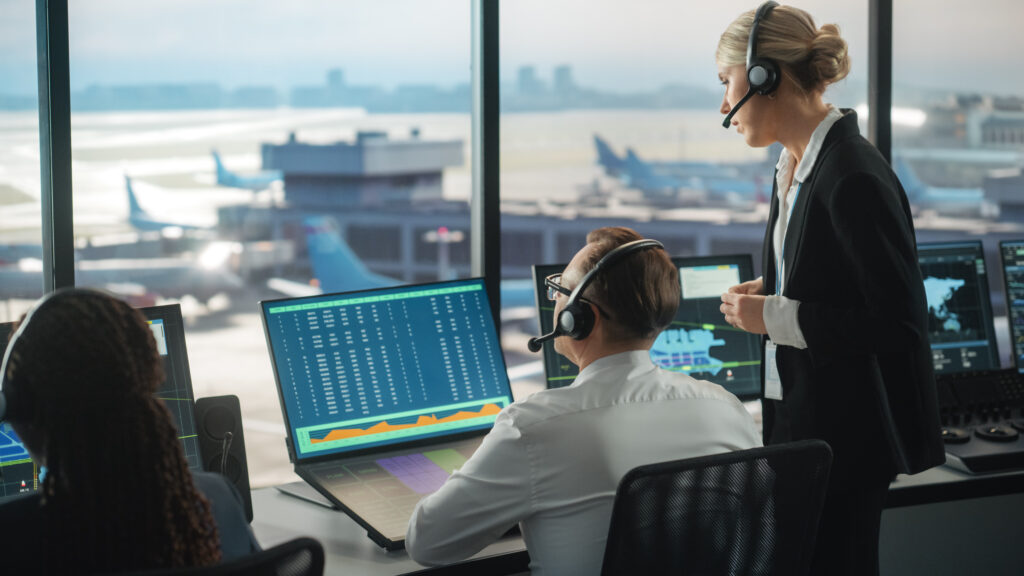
(555, 288)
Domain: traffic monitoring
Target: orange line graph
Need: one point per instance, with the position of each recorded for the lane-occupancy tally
(383, 426)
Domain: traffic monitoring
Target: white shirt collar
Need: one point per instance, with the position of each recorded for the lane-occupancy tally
(632, 358)
(810, 153)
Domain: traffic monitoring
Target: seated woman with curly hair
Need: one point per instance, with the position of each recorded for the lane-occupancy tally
(79, 377)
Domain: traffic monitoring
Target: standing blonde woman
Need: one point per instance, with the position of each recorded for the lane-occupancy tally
(841, 302)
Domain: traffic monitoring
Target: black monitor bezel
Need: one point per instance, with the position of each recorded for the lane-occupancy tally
(293, 453)
(1014, 358)
(985, 289)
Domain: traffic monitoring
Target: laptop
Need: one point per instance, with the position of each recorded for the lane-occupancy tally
(698, 342)
(385, 392)
(19, 475)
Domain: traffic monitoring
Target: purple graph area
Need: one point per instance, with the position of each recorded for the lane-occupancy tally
(416, 471)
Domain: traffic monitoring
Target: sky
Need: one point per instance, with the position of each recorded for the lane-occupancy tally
(613, 45)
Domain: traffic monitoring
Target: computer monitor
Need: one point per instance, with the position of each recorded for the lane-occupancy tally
(20, 475)
(960, 327)
(698, 342)
(176, 392)
(1012, 255)
(360, 370)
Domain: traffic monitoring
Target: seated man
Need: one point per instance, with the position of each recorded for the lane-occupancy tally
(552, 462)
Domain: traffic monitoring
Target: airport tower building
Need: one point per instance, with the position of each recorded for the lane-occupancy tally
(373, 171)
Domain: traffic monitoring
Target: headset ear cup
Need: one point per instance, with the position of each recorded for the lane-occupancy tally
(576, 320)
(763, 76)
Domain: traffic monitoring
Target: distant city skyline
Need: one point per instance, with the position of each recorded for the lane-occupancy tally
(613, 46)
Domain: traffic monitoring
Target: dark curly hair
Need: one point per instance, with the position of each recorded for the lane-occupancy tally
(118, 494)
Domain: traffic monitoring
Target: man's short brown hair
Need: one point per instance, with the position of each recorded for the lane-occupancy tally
(640, 292)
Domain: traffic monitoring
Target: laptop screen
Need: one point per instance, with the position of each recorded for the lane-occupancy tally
(1012, 253)
(960, 327)
(357, 370)
(20, 475)
(698, 342)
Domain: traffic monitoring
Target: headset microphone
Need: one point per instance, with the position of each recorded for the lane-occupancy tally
(535, 344)
(736, 108)
(762, 73)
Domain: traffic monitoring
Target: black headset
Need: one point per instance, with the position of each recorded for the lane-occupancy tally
(33, 312)
(576, 320)
(763, 74)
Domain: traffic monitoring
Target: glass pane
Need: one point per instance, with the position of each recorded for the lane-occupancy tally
(21, 266)
(958, 130)
(610, 116)
(232, 152)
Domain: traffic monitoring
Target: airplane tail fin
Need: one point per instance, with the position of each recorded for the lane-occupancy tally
(912, 185)
(335, 266)
(223, 175)
(606, 157)
(636, 166)
(134, 209)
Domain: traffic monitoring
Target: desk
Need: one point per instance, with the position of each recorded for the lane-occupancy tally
(916, 535)
(349, 551)
(946, 522)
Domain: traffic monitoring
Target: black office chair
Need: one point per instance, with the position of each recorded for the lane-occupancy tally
(746, 512)
(298, 557)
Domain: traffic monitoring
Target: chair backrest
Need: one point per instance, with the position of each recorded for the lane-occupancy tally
(745, 512)
(298, 557)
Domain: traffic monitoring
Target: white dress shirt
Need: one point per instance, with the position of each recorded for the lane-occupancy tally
(553, 461)
(780, 313)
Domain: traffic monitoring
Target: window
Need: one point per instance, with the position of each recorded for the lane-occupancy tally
(610, 117)
(211, 141)
(958, 128)
(21, 253)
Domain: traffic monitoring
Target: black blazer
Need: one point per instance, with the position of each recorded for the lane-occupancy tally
(865, 382)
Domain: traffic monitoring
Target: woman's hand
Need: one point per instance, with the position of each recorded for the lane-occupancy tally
(744, 311)
(752, 287)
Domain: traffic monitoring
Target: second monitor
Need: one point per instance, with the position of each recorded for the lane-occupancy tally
(698, 342)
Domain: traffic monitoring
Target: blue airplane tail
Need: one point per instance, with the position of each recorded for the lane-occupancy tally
(637, 168)
(134, 209)
(335, 266)
(912, 185)
(224, 176)
(606, 157)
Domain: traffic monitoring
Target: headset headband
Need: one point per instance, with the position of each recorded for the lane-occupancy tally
(617, 254)
(762, 12)
(39, 305)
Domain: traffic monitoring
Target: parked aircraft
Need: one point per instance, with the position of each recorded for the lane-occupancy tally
(143, 271)
(718, 183)
(144, 222)
(255, 182)
(337, 268)
(943, 200)
(201, 278)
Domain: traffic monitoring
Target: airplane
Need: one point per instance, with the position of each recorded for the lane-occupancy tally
(202, 278)
(720, 184)
(255, 182)
(144, 222)
(144, 271)
(336, 268)
(943, 200)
